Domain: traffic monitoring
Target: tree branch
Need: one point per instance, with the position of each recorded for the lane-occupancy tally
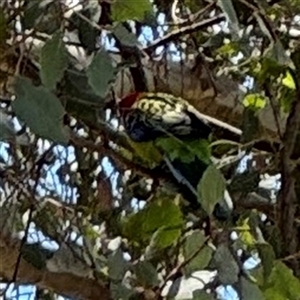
(66, 284)
(182, 31)
(288, 198)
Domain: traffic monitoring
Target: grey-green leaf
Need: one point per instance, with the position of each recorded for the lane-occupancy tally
(267, 256)
(40, 110)
(196, 253)
(250, 291)
(146, 274)
(6, 130)
(101, 73)
(32, 14)
(193, 243)
(125, 37)
(116, 265)
(226, 265)
(211, 188)
(54, 61)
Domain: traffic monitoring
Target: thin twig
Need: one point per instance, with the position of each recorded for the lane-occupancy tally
(183, 30)
(191, 18)
(36, 170)
(184, 263)
(292, 256)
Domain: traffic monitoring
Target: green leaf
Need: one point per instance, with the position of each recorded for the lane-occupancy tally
(160, 214)
(229, 49)
(282, 284)
(125, 37)
(43, 17)
(229, 11)
(117, 265)
(288, 81)
(245, 234)
(192, 243)
(146, 274)
(255, 101)
(201, 148)
(226, 265)
(31, 14)
(185, 151)
(6, 129)
(101, 73)
(78, 89)
(175, 149)
(250, 291)
(194, 251)
(164, 237)
(87, 33)
(267, 256)
(147, 152)
(54, 61)
(124, 10)
(211, 188)
(40, 110)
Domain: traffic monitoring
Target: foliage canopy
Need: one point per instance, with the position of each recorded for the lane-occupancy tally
(87, 212)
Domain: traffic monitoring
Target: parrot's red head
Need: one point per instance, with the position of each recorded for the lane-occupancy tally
(129, 100)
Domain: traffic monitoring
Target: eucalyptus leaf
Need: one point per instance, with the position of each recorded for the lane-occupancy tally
(267, 256)
(164, 237)
(211, 188)
(146, 274)
(40, 110)
(196, 253)
(161, 217)
(101, 73)
(54, 60)
(226, 265)
(117, 265)
(33, 13)
(125, 37)
(250, 291)
(281, 284)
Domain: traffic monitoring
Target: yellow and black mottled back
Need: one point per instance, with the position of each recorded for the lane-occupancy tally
(157, 114)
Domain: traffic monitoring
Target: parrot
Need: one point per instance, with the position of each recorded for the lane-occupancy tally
(147, 116)
(157, 116)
